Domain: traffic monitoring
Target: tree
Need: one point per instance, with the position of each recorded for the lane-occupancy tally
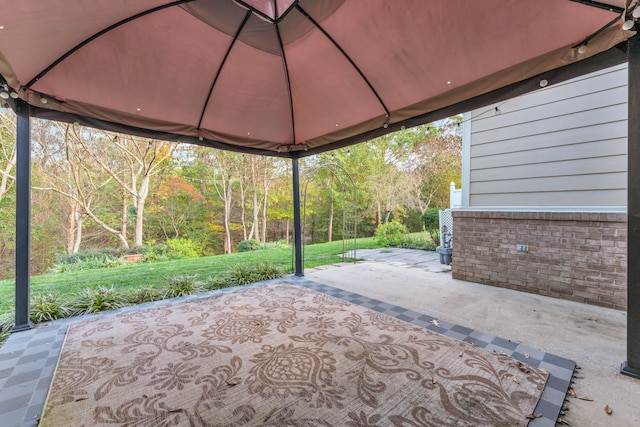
(272, 168)
(132, 165)
(434, 162)
(7, 150)
(7, 193)
(221, 168)
(179, 202)
(389, 183)
(65, 159)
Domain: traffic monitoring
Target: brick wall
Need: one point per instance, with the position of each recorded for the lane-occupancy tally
(578, 256)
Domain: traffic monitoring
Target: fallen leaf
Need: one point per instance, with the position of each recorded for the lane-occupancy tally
(533, 416)
(588, 399)
(595, 319)
(81, 398)
(563, 421)
(572, 392)
(524, 368)
(608, 410)
(516, 380)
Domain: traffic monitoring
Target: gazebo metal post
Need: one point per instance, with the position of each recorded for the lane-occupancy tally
(631, 366)
(297, 221)
(23, 215)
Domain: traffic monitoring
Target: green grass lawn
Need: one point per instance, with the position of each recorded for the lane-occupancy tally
(136, 275)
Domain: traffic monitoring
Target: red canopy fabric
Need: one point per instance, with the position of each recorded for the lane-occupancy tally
(282, 75)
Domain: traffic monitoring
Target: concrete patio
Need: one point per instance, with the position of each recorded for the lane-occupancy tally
(413, 286)
(593, 337)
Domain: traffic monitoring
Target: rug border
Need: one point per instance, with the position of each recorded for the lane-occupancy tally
(43, 415)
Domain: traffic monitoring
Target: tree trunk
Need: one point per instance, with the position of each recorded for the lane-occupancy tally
(264, 215)
(71, 230)
(243, 209)
(331, 221)
(111, 230)
(141, 199)
(125, 212)
(227, 218)
(378, 214)
(6, 174)
(78, 239)
(287, 232)
(256, 215)
(255, 227)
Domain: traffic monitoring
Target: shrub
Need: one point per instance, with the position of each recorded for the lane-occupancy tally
(277, 244)
(268, 271)
(244, 274)
(185, 248)
(96, 300)
(48, 306)
(80, 256)
(413, 242)
(435, 236)
(155, 253)
(249, 245)
(88, 259)
(431, 219)
(390, 233)
(218, 282)
(144, 294)
(7, 322)
(181, 285)
(173, 249)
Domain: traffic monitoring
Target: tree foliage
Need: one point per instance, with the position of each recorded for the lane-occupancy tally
(96, 189)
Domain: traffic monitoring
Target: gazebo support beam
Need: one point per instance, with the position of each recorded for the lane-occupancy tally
(23, 216)
(632, 365)
(297, 219)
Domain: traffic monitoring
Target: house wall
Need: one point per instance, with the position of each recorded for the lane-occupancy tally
(579, 256)
(561, 146)
(549, 171)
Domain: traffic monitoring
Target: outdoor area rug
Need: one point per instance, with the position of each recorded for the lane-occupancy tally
(280, 355)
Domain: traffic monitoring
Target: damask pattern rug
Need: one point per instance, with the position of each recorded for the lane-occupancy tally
(280, 355)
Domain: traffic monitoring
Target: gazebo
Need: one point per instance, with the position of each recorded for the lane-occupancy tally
(292, 78)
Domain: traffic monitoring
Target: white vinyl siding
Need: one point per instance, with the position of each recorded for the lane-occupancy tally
(561, 146)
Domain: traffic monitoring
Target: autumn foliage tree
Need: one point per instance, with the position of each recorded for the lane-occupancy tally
(95, 186)
(176, 206)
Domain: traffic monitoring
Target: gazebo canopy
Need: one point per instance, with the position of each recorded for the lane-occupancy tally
(288, 77)
(296, 77)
